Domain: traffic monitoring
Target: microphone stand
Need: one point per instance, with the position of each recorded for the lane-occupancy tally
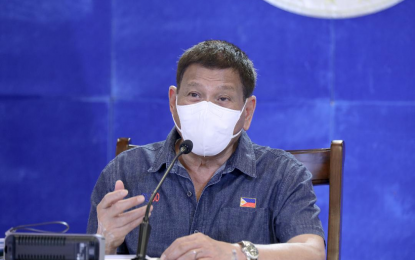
(145, 227)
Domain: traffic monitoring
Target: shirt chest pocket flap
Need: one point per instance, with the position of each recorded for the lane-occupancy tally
(237, 224)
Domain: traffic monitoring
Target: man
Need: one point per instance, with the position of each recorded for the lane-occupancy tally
(227, 190)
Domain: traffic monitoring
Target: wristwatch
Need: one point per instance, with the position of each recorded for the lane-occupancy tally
(249, 250)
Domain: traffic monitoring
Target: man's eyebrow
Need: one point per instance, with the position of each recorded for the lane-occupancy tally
(194, 84)
(224, 87)
(227, 87)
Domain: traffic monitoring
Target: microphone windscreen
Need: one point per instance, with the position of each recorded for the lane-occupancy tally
(186, 147)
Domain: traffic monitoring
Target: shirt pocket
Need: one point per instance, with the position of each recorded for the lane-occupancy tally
(237, 224)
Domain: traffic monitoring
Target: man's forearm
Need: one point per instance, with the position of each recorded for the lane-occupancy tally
(303, 247)
(288, 251)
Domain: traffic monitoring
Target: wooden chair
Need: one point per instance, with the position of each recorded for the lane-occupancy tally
(326, 166)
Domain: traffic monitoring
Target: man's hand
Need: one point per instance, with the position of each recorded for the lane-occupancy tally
(199, 246)
(113, 223)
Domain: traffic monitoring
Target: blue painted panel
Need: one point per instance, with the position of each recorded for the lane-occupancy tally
(291, 125)
(322, 193)
(55, 48)
(52, 152)
(379, 199)
(143, 121)
(375, 55)
(149, 38)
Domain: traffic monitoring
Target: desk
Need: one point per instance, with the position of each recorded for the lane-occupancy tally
(124, 257)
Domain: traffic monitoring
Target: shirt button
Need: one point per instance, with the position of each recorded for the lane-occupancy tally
(189, 193)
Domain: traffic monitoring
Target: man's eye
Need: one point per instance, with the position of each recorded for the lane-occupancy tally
(193, 95)
(223, 99)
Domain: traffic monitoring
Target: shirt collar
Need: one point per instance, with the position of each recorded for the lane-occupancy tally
(166, 153)
(242, 159)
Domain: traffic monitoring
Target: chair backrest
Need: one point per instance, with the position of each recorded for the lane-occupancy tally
(326, 166)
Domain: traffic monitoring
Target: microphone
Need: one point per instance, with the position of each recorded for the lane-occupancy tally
(145, 228)
(186, 147)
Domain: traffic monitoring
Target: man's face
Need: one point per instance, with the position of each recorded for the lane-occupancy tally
(222, 87)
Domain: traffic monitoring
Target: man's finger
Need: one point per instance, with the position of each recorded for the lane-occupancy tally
(191, 254)
(194, 254)
(123, 205)
(130, 226)
(111, 198)
(131, 215)
(119, 185)
(181, 246)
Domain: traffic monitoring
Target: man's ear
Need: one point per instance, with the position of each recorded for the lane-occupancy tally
(172, 99)
(249, 111)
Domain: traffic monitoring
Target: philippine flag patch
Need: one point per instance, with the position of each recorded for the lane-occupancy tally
(248, 202)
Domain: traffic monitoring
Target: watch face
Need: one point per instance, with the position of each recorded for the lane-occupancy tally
(252, 250)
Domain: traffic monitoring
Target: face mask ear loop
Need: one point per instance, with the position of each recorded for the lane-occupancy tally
(243, 108)
(178, 128)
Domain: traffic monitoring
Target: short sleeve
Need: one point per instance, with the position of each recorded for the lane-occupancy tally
(297, 213)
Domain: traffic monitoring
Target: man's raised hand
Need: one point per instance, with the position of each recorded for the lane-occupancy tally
(114, 222)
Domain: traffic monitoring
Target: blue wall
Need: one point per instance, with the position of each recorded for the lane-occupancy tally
(75, 75)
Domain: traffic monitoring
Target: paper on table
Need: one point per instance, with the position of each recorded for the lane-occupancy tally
(119, 257)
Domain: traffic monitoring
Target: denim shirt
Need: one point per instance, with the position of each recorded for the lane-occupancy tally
(260, 194)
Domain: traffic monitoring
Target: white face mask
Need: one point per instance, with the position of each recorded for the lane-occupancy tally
(209, 126)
